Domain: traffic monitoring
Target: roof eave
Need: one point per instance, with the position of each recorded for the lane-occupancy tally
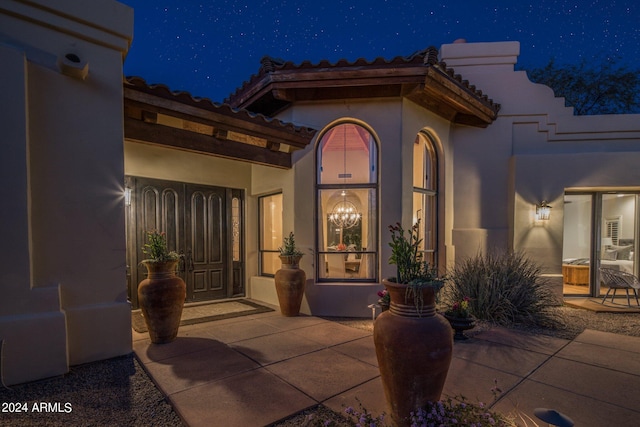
(155, 115)
(454, 98)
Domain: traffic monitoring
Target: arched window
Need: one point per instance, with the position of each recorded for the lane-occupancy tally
(425, 194)
(346, 199)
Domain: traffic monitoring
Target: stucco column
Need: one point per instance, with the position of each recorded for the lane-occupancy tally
(63, 282)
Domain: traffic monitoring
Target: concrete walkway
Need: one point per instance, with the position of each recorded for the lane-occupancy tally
(257, 370)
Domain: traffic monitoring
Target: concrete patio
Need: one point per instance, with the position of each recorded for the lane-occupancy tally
(259, 369)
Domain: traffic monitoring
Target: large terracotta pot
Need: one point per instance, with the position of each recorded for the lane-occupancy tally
(414, 350)
(290, 282)
(161, 297)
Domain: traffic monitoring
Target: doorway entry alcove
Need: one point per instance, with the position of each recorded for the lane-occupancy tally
(202, 223)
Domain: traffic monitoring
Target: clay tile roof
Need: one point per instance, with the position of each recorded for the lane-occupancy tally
(163, 91)
(279, 82)
(270, 64)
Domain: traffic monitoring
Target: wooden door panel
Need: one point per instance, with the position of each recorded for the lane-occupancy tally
(158, 206)
(206, 236)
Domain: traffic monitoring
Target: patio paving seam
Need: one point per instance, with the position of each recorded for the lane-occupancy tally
(527, 377)
(219, 379)
(320, 401)
(586, 396)
(349, 389)
(595, 365)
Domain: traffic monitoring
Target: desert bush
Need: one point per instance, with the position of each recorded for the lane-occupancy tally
(502, 287)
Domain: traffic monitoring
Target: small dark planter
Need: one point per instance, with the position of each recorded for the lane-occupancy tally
(460, 324)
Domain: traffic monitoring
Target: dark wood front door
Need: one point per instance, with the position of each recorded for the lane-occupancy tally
(202, 223)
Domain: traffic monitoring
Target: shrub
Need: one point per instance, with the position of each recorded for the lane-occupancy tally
(446, 412)
(503, 288)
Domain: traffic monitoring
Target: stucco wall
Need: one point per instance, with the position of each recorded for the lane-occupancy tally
(152, 161)
(535, 151)
(64, 287)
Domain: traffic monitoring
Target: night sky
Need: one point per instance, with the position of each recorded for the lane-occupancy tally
(209, 48)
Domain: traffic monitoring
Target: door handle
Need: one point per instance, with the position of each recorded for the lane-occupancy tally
(181, 263)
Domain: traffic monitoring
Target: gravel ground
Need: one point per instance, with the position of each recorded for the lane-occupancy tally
(117, 392)
(114, 392)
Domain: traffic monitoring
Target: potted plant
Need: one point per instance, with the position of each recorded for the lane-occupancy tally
(460, 318)
(162, 294)
(290, 280)
(384, 299)
(413, 344)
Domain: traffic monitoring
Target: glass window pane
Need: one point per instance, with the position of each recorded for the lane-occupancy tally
(270, 263)
(576, 247)
(424, 210)
(418, 163)
(346, 244)
(347, 155)
(235, 220)
(617, 240)
(430, 167)
(271, 222)
(270, 233)
(354, 234)
(425, 206)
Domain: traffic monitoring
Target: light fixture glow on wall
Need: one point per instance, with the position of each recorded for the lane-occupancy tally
(127, 196)
(543, 211)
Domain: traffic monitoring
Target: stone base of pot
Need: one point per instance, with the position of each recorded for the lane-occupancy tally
(161, 298)
(290, 281)
(459, 325)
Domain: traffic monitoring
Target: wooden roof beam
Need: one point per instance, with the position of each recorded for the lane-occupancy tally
(191, 141)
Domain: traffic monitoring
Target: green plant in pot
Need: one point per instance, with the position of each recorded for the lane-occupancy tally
(156, 248)
(289, 253)
(162, 294)
(413, 343)
(290, 280)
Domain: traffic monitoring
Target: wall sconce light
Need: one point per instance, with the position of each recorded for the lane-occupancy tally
(127, 196)
(543, 211)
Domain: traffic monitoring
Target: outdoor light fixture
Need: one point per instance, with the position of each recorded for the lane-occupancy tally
(127, 196)
(553, 417)
(543, 211)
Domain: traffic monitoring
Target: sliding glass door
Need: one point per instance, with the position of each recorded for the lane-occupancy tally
(618, 232)
(600, 231)
(577, 247)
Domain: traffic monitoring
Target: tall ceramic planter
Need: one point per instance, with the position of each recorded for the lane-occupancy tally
(414, 351)
(290, 281)
(161, 297)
